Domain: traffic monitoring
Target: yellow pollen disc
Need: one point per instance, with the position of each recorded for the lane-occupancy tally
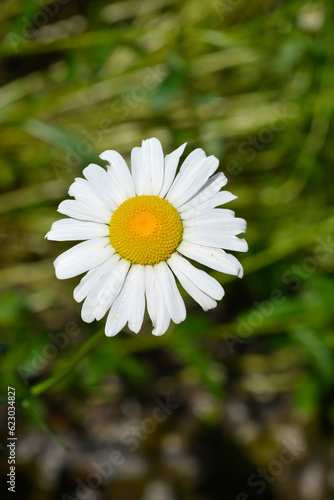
(145, 230)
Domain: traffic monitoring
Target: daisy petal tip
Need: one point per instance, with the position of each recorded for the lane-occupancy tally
(87, 318)
(159, 330)
(86, 170)
(134, 330)
(59, 273)
(181, 319)
(99, 315)
(157, 333)
(214, 158)
(152, 140)
(103, 155)
(61, 205)
(209, 307)
(240, 273)
(107, 155)
(111, 332)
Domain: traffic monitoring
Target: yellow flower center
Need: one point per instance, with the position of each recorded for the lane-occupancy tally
(145, 230)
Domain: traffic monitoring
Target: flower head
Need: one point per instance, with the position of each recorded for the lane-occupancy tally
(138, 228)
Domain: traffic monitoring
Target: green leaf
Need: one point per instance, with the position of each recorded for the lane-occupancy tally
(317, 351)
(59, 138)
(194, 356)
(308, 394)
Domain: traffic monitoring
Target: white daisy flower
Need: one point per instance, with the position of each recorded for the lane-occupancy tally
(140, 227)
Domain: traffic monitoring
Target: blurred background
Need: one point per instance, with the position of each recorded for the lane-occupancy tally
(233, 404)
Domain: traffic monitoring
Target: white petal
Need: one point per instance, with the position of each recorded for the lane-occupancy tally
(150, 292)
(105, 292)
(121, 172)
(102, 181)
(118, 314)
(87, 309)
(204, 300)
(155, 305)
(219, 199)
(188, 183)
(210, 189)
(81, 257)
(200, 297)
(147, 166)
(214, 216)
(216, 240)
(191, 162)
(93, 285)
(93, 276)
(171, 164)
(199, 278)
(163, 318)
(138, 170)
(136, 300)
(119, 194)
(214, 258)
(170, 292)
(130, 303)
(188, 166)
(234, 261)
(84, 190)
(213, 223)
(72, 229)
(85, 211)
(204, 231)
(154, 156)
